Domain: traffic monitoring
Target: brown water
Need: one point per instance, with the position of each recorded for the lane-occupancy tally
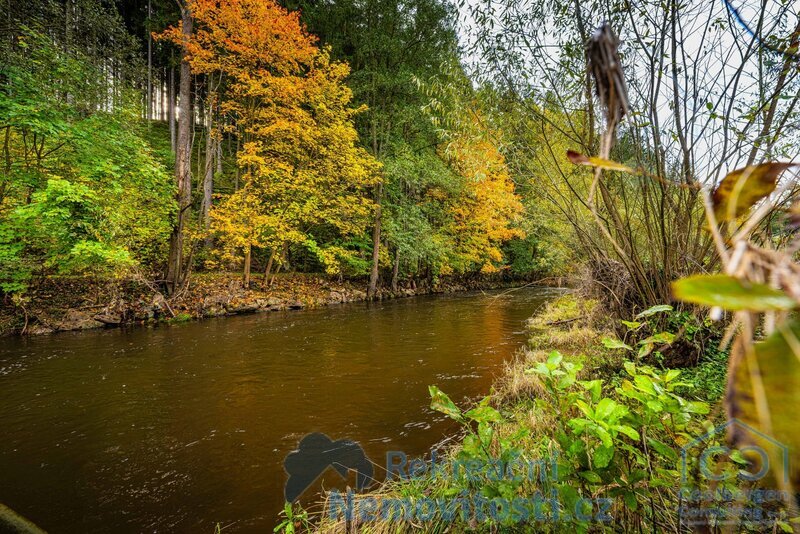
(177, 428)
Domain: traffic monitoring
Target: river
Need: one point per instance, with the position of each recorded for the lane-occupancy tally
(179, 428)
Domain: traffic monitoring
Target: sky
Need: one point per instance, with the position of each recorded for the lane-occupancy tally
(723, 59)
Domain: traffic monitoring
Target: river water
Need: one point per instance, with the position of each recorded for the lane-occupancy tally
(179, 428)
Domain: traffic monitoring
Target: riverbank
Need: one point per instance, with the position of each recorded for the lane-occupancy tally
(68, 304)
(603, 430)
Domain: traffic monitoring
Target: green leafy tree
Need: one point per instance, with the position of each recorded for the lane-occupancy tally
(80, 190)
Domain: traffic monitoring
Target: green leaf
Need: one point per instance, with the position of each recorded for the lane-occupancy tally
(645, 383)
(442, 403)
(662, 449)
(697, 407)
(585, 408)
(628, 431)
(671, 375)
(654, 310)
(554, 358)
(485, 433)
(594, 387)
(632, 325)
(605, 408)
(612, 343)
(591, 476)
(771, 372)
(602, 456)
(630, 500)
(644, 350)
(731, 293)
(484, 414)
(660, 338)
(604, 436)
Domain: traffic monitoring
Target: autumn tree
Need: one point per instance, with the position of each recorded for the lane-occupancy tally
(487, 211)
(301, 161)
(389, 43)
(181, 35)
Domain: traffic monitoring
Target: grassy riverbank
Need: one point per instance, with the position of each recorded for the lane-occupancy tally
(593, 412)
(80, 303)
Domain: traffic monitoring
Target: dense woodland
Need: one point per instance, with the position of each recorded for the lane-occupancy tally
(155, 140)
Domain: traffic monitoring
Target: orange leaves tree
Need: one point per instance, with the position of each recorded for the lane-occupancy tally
(302, 165)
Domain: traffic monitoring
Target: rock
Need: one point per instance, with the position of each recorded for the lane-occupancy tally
(159, 301)
(109, 318)
(335, 297)
(213, 300)
(213, 311)
(296, 305)
(38, 329)
(241, 307)
(78, 320)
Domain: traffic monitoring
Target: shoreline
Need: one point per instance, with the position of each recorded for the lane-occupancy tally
(533, 410)
(74, 305)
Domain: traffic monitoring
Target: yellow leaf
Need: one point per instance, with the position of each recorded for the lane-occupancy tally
(742, 188)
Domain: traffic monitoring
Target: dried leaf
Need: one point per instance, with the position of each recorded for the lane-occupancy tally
(606, 68)
(742, 188)
(606, 164)
(793, 216)
(731, 293)
(769, 376)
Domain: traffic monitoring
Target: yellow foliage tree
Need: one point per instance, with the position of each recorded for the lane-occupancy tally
(484, 215)
(302, 166)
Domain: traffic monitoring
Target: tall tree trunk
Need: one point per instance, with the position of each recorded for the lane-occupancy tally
(376, 243)
(219, 148)
(208, 177)
(171, 110)
(149, 94)
(67, 20)
(395, 270)
(236, 160)
(183, 171)
(269, 266)
(162, 89)
(247, 262)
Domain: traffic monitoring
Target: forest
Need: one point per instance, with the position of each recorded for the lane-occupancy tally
(630, 168)
(292, 145)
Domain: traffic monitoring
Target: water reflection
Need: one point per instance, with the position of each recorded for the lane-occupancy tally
(178, 428)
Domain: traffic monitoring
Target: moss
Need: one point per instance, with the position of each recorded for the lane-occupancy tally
(181, 318)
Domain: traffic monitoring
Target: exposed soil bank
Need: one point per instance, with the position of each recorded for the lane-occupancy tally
(61, 304)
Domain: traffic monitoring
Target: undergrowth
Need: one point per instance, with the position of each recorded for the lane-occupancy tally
(585, 431)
